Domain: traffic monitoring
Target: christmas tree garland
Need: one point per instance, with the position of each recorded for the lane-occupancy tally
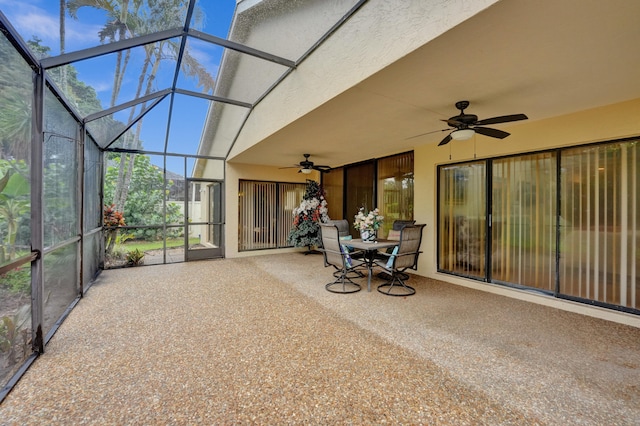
(308, 216)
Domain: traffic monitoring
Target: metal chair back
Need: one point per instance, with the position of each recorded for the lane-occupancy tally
(409, 247)
(331, 244)
(343, 226)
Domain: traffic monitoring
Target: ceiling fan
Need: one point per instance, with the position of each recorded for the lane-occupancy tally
(466, 125)
(307, 166)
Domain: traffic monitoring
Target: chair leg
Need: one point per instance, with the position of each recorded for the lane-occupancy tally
(351, 273)
(396, 282)
(343, 284)
(386, 276)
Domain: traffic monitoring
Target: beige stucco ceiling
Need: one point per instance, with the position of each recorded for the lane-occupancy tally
(542, 58)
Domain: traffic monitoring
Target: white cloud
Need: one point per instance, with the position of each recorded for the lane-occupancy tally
(30, 20)
(101, 86)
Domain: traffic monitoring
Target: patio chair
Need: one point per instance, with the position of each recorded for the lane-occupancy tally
(345, 235)
(337, 255)
(403, 257)
(343, 227)
(394, 234)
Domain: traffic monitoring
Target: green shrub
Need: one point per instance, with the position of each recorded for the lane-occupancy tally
(134, 257)
(18, 280)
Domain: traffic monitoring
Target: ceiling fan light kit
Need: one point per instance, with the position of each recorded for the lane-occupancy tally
(462, 134)
(305, 171)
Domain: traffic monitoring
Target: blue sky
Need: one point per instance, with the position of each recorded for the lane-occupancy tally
(40, 18)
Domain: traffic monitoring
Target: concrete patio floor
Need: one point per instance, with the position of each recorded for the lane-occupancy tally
(259, 340)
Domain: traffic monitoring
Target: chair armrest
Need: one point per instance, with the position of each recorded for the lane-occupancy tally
(384, 253)
(322, 249)
(412, 253)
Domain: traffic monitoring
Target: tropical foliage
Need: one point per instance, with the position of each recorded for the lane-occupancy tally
(14, 208)
(146, 196)
(128, 19)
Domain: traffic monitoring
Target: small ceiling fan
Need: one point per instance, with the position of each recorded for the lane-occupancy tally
(466, 125)
(307, 166)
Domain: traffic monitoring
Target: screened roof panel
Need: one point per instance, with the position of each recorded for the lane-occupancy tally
(105, 129)
(217, 17)
(267, 25)
(200, 65)
(150, 132)
(89, 23)
(107, 125)
(187, 121)
(246, 78)
(116, 77)
(109, 63)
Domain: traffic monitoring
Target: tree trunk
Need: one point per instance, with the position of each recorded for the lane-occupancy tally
(62, 42)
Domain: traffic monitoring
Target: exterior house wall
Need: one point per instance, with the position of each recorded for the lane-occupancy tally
(235, 172)
(350, 55)
(360, 50)
(595, 125)
(378, 35)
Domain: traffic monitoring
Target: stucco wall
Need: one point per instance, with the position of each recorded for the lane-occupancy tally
(235, 172)
(378, 35)
(382, 34)
(596, 125)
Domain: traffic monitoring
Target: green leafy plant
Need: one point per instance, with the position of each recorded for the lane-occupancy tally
(145, 198)
(111, 220)
(135, 257)
(14, 327)
(18, 280)
(14, 205)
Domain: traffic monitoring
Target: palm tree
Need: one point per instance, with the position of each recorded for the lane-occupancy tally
(62, 18)
(131, 18)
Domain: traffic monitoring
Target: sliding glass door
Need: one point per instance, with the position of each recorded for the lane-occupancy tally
(462, 224)
(600, 256)
(385, 183)
(564, 222)
(266, 213)
(523, 211)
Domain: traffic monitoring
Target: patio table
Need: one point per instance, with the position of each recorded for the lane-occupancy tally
(370, 249)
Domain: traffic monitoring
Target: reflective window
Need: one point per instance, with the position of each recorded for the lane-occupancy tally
(600, 236)
(523, 222)
(588, 249)
(462, 219)
(266, 213)
(395, 189)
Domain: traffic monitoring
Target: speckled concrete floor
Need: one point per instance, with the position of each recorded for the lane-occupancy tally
(259, 341)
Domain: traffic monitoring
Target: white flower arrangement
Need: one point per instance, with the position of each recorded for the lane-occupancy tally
(314, 208)
(370, 221)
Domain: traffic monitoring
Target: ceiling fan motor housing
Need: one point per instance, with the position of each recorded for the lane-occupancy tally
(463, 121)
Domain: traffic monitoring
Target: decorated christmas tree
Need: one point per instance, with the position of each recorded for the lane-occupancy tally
(308, 216)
